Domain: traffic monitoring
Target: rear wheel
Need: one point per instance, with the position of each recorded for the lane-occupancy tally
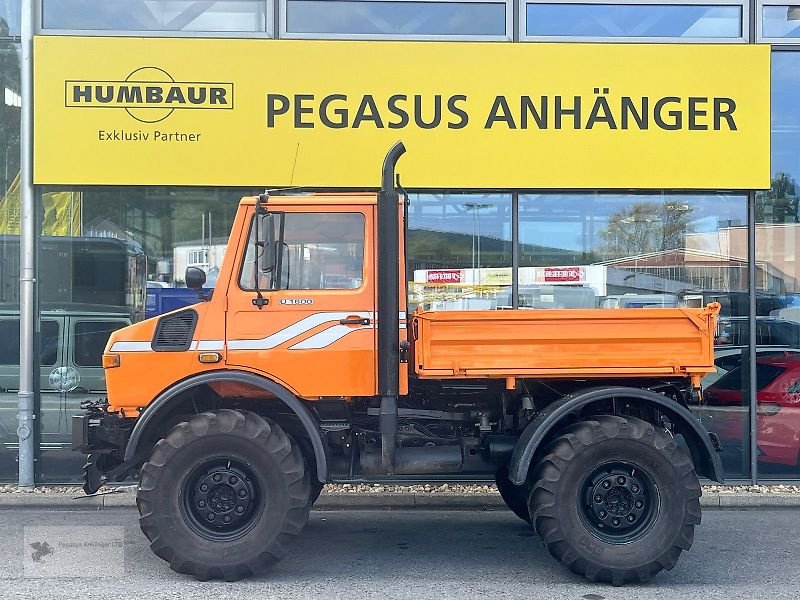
(223, 495)
(515, 497)
(615, 499)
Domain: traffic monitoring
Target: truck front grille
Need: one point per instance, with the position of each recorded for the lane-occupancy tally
(174, 332)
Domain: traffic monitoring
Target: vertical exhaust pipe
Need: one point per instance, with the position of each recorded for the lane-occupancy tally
(389, 307)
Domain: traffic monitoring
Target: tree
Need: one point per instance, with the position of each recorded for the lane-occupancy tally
(647, 227)
(780, 203)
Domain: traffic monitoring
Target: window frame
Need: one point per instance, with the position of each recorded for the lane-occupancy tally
(269, 33)
(744, 38)
(759, 13)
(283, 32)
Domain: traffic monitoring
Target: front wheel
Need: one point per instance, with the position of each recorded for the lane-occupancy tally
(223, 495)
(615, 499)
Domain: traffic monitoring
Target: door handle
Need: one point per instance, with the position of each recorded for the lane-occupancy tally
(354, 321)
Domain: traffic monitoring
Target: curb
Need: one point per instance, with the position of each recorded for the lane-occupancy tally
(381, 501)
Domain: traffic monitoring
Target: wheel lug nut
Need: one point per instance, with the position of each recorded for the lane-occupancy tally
(242, 493)
(639, 504)
(631, 518)
(598, 498)
(204, 488)
(217, 477)
(621, 480)
(240, 509)
(202, 504)
(211, 516)
(606, 484)
(635, 488)
(615, 522)
(226, 519)
(603, 514)
(233, 480)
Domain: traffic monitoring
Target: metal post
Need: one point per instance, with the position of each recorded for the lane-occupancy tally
(515, 250)
(27, 260)
(751, 387)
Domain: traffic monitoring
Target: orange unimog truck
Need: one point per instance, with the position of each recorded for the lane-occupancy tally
(304, 367)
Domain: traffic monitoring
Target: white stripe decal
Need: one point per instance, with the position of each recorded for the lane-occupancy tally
(131, 347)
(297, 329)
(210, 345)
(323, 339)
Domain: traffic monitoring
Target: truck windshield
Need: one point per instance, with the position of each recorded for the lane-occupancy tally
(321, 251)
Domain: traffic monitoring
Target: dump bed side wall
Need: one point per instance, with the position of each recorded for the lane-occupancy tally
(564, 343)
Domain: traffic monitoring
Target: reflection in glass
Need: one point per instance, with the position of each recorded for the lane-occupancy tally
(10, 103)
(780, 21)
(459, 251)
(156, 15)
(102, 250)
(10, 17)
(614, 251)
(395, 18)
(778, 309)
(634, 20)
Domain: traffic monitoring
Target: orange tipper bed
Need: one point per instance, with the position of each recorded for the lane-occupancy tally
(633, 342)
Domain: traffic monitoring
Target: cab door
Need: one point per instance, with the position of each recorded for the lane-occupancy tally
(310, 326)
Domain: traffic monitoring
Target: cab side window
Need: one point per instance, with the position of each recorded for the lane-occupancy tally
(321, 251)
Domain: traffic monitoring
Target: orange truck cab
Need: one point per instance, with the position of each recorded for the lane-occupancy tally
(304, 366)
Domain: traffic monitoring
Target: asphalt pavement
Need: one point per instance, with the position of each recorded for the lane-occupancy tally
(389, 554)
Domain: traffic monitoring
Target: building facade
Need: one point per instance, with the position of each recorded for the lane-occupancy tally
(508, 248)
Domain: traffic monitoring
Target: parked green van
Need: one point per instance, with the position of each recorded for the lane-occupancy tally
(70, 353)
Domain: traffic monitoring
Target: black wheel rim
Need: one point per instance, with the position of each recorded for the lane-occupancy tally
(222, 499)
(618, 502)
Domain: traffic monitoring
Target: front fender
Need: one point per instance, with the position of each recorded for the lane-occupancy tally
(706, 459)
(292, 402)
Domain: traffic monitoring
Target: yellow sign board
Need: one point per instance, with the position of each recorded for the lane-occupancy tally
(472, 115)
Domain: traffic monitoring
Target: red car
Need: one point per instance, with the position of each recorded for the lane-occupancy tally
(778, 398)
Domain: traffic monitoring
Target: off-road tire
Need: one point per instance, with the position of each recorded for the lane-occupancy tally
(278, 472)
(515, 497)
(556, 500)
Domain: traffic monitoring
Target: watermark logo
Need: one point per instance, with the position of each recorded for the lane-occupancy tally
(72, 551)
(149, 94)
(40, 550)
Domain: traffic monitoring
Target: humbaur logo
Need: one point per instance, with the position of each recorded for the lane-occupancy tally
(148, 94)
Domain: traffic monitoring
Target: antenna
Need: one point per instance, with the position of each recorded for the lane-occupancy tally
(294, 164)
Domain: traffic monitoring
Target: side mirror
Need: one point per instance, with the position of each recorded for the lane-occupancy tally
(266, 241)
(195, 278)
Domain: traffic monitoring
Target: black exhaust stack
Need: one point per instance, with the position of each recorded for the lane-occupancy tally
(389, 307)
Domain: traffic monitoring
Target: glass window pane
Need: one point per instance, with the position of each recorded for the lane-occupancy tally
(156, 15)
(459, 251)
(322, 251)
(10, 17)
(9, 238)
(634, 20)
(395, 18)
(781, 21)
(102, 250)
(778, 285)
(653, 251)
(90, 339)
(49, 345)
(9, 345)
